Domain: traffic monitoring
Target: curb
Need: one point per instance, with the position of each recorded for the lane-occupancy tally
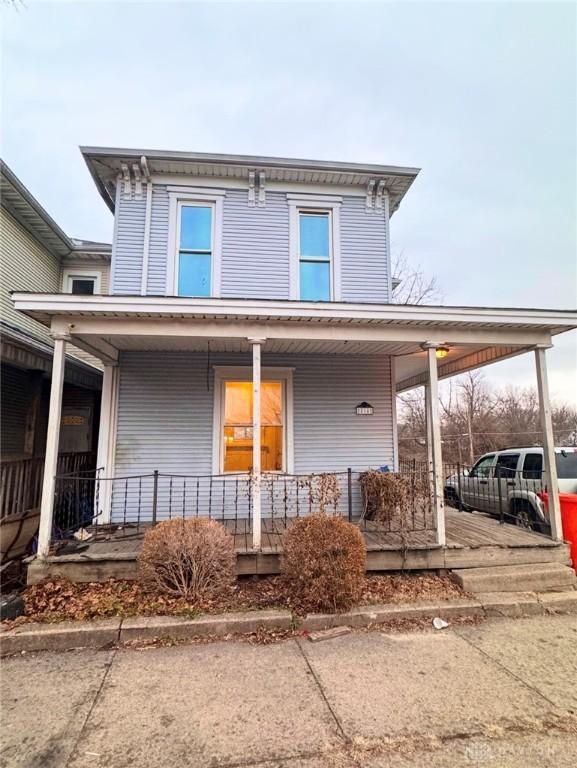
(104, 633)
(156, 627)
(60, 637)
(380, 614)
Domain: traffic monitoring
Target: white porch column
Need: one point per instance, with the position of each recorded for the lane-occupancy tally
(106, 438)
(256, 463)
(427, 389)
(429, 435)
(548, 444)
(52, 440)
(434, 440)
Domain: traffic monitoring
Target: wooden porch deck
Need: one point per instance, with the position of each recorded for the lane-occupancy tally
(473, 540)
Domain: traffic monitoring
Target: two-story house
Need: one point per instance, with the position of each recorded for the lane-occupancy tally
(249, 330)
(36, 255)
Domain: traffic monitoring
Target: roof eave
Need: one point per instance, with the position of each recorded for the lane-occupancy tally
(31, 201)
(250, 160)
(557, 321)
(91, 154)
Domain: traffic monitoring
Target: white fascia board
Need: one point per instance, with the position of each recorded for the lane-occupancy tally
(222, 183)
(249, 160)
(57, 304)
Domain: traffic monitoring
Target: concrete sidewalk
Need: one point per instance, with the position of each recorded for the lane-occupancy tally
(500, 694)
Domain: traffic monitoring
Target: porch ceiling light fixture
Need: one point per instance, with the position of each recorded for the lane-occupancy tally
(441, 352)
(364, 409)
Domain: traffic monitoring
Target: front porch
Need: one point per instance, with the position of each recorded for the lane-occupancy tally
(335, 368)
(473, 540)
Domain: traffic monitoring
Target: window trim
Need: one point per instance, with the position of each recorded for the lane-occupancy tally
(177, 200)
(315, 204)
(224, 373)
(70, 274)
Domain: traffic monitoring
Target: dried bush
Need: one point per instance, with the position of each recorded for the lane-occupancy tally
(323, 491)
(194, 559)
(323, 563)
(391, 494)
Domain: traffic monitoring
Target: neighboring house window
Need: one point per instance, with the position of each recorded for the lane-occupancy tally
(81, 282)
(195, 236)
(195, 249)
(315, 248)
(233, 432)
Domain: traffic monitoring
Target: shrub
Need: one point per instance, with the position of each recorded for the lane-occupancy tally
(391, 494)
(194, 559)
(323, 563)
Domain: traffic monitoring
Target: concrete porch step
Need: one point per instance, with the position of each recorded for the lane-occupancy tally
(539, 577)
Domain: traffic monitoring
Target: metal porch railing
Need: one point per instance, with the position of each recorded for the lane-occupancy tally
(138, 501)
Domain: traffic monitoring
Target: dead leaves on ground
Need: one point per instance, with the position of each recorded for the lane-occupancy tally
(60, 600)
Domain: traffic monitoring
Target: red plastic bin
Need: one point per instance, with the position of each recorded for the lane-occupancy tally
(568, 502)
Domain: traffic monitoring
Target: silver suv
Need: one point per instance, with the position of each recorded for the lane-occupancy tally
(508, 484)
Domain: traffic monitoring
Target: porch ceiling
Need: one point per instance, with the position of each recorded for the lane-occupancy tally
(410, 358)
(271, 346)
(475, 336)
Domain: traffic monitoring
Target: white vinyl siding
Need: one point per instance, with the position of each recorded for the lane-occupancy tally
(166, 422)
(26, 266)
(128, 247)
(365, 263)
(255, 255)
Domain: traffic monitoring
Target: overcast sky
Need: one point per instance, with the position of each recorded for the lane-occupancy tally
(482, 97)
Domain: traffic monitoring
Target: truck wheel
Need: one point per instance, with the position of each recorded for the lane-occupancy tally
(524, 516)
(452, 500)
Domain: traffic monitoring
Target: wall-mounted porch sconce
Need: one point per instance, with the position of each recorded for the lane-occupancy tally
(441, 352)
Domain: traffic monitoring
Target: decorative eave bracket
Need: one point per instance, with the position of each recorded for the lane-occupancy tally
(376, 193)
(257, 189)
(137, 173)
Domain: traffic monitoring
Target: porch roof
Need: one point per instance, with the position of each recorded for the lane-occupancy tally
(475, 336)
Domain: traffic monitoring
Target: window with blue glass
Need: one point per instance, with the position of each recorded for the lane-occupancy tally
(315, 255)
(195, 250)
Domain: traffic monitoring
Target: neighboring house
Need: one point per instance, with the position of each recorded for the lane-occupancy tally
(239, 280)
(36, 255)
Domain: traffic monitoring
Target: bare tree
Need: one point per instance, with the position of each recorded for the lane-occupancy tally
(476, 419)
(414, 286)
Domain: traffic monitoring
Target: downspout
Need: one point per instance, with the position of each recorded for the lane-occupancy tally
(147, 222)
(387, 213)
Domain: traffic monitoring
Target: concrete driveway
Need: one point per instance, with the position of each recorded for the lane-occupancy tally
(502, 694)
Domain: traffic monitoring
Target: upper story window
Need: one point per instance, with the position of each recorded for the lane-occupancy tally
(195, 249)
(315, 248)
(81, 282)
(315, 255)
(195, 234)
